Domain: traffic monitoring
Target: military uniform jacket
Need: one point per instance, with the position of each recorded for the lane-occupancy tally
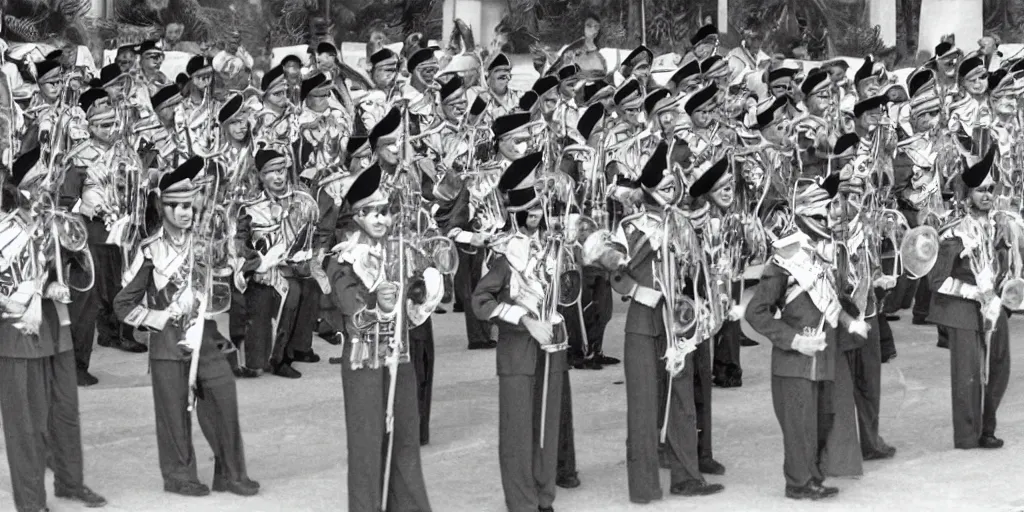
(158, 273)
(778, 290)
(950, 306)
(90, 185)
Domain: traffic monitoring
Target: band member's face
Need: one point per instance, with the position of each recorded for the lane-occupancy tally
(976, 83)
(837, 74)
(549, 103)
(151, 61)
(642, 72)
(238, 128)
(925, 122)
(690, 85)
(174, 32)
(426, 72)
(870, 118)
(374, 220)
(49, 90)
(389, 150)
(781, 88)
(567, 87)
(202, 82)
(292, 71)
(166, 115)
(275, 179)
(317, 99)
(515, 145)
(117, 90)
(533, 219)
(820, 103)
(702, 116)
(102, 131)
(471, 78)
(705, 48)
(723, 196)
(982, 197)
(947, 65)
(454, 106)
(591, 28)
(1005, 104)
(666, 191)
(125, 61)
(497, 81)
(278, 98)
(178, 215)
(632, 114)
(667, 119)
(776, 132)
(326, 62)
(384, 76)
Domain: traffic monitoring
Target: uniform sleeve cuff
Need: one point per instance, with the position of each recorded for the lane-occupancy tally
(136, 317)
(958, 288)
(461, 236)
(510, 313)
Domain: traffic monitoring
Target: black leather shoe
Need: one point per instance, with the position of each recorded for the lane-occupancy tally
(885, 453)
(334, 338)
(305, 357)
(545, 509)
(83, 494)
(336, 360)
(695, 488)
(130, 346)
(607, 360)
(286, 370)
(85, 378)
(990, 442)
(187, 488)
(570, 481)
(920, 320)
(747, 342)
(892, 318)
(241, 488)
(440, 310)
(483, 345)
(711, 466)
(458, 308)
(812, 491)
(727, 382)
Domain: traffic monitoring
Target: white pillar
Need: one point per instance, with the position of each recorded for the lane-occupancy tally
(481, 15)
(98, 9)
(723, 16)
(941, 17)
(883, 14)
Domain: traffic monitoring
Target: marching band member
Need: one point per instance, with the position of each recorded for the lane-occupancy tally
(716, 70)
(969, 313)
(501, 99)
(636, 65)
(706, 136)
(275, 124)
(645, 346)
(160, 297)
(945, 62)
(38, 394)
(971, 110)
(627, 141)
(199, 107)
(799, 282)
(323, 123)
(361, 287)
(149, 76)
(160, 137)
(421, 91)
(291, 66)
(274, 236)
(528, 472)
(686, 80)
(704, 43)
(90, 187)
(567, 113)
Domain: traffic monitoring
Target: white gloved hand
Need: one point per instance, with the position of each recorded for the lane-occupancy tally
(859, 327)
(274, 257)
(885, 282)
(647, 296)
(809, 345)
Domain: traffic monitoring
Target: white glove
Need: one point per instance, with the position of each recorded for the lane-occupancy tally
(984, 280)
(736, 312)
(809, 345)
(273, 258)
(859, 327)
(647, 296)
(885, 282)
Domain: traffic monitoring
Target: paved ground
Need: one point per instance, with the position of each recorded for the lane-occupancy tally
(294, 435)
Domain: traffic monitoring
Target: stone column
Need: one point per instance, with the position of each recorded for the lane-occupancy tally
(723, 16)
(882, 13)
(960, 17)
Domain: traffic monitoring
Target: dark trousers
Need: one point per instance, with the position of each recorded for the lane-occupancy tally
(865, 366)
(421, 347)
(967, 353)
(298, 319)
(92, 311)
(528, 472)
(922, 299)
(727, 352)
(803, 409)
(466, 278)
(238, 316)
(216, 410)
(366, 394)
(566, 432)
(702, 397)
(644, 409)
(261, 305)
(841, 455)
(39, 404)
(596, 299)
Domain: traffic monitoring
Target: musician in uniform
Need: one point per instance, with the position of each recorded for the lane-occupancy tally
(945, 62)
(359, 288)
(647, 344)
(41, 112)
(799, 283)
(636, 65)
(686, 80)
(160, 138)
(199, 106)
(275, 124)
(149, 76)
(161, 297)
(323, 123)
(88, 186)
(967, 310)
(972, 110)
(38, 394)
(525, 344)
(567, 114)
(501, 99)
